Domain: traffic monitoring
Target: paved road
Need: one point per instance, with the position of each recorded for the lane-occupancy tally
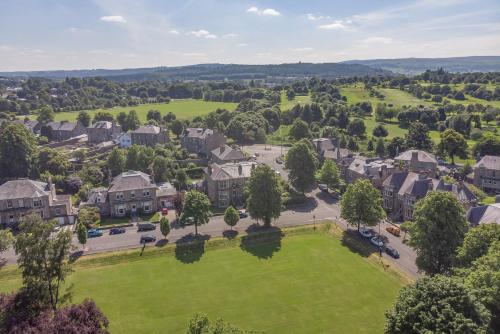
(319, 207)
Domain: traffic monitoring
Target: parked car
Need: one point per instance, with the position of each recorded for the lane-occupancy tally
(279, 161)
(376, 241)
(243, 213)
(393, 230)
(93, 233)
(117, 230)
(323, 187)
(391, 251)
(164, 211)
(147, 238)
(186, 220)
(366, 232)
(145, 227)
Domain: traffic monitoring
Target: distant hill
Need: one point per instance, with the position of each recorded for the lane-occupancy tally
(215, 72)
(419, 65)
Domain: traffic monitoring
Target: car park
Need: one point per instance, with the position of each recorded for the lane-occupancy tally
(391, 251)
(243, 213)
(145, 227)
(93, 233)
(366, 232)
(117, 230)
(376, 241)
(394, 230)
(147, 238)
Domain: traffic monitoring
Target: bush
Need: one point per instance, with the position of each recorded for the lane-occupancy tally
(476, 134)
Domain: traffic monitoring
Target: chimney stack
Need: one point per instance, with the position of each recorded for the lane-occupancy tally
(222, 148)
(240, 169)
(209, 169)
(414, 156)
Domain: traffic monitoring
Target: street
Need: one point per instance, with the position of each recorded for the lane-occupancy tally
(317, 208)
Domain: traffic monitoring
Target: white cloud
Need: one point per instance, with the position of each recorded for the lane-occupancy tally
(75, 30)
(202, 33)
(114, 19)
(263, 12)
(304, 49)
(315, 17)
(174, 32)
(335, 25)
(241, 44)
(100, 52)
(378, 40)
(195, 54)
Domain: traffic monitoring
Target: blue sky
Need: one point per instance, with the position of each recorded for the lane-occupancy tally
(77, 34)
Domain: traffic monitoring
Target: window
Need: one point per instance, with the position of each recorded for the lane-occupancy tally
(132, 194)
(11, 218)
(37, 203)
(147, 208)
(9, 204)
(20, 203)
(146, 193)
(119, 196)
(58, 211)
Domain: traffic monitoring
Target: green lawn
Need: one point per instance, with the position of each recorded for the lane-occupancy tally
(287, 104)
(308, 283)
(183, 109)
(357, 93)
(280, 136)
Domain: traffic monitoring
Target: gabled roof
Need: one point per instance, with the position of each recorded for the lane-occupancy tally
(484, 214)
(101, 125)
(197, 133)
(422, 156)
(151, 129)
(231, 170)
(28, 123)
(62, 126)
(227, 153)
(334, 153)
(461, 191)
(23, 188)
(323, 144)
(131, 180)
(489, 162)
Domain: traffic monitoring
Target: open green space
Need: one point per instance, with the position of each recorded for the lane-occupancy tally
(183, 109)
(305, 283)
(357, 93)
(287, 104)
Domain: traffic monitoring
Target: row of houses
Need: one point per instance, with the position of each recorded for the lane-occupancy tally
(409, 177)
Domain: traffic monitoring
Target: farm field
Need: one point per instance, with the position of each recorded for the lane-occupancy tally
(302, 283)
(183, 109)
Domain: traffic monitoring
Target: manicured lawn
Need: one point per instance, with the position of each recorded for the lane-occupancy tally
(289, 104)
(307, 283)
(183, 109)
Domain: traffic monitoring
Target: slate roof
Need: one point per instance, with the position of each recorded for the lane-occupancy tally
(62, 126)
(332, 154)
(369, 168)
(226, 152)
(166, 189)
(461, 191)
(28, 123)
(489, 162)
(23, 188)
(102, 125)
(323, 144)
(484, 214)
(231, 170)
(152, 129)
(131, 180)
(421, 156)
(197, 133)
(98, 193)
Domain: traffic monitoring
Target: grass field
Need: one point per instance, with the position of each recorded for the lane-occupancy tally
(357, 93)
(287, 104)
(183, 109)
(306, 283)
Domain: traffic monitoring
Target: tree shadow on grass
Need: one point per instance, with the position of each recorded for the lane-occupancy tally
(230, 234)
(161, 243)
(75, 256)
(357, 244)
(190, 248)
(262, 241)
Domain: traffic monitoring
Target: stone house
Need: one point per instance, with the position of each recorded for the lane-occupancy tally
(375, 170)
(23, 196)
(487, 174)
(225, 154)
(149, 135)
(201, 141)
(102, 131)
(225, 183)
(63, 130)
(417, 161)
(33, 126)
(485, 214)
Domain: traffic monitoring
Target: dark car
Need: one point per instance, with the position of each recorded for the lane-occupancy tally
(117, 230)
(145, 227)
(147, 238)
(323, 187)
(392, 251)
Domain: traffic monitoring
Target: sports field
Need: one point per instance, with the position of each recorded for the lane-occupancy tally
(183, 109)
(307, 283)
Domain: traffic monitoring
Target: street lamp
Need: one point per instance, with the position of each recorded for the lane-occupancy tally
(314, 222)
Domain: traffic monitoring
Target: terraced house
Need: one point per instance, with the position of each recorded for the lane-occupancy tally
(149, 135)
(417, 161)
(23, 196)
(201, 141)
(487, 174)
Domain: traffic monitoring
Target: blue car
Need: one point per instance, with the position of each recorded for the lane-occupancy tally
(93, 233)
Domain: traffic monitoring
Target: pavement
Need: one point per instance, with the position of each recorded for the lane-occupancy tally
(318, 207)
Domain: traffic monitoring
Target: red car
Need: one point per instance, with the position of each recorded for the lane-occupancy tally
(164, 211)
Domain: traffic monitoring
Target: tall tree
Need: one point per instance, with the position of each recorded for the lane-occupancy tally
(17, 151)
(53, 161)
(438, 230)
(329, 175)
(299, 130)
(177, 127)
(231, 216)
(362, 204)
(164, 226)
(116, 161)
(302, 162)
(133, 121)
(264, 195)
(197, 207)
(45, 114)
(436, 304)
(356, 127)
(84, 118)
(418, 137)
(380, 148)
(5, 240)
(476, 243)
(81, 233)
(43, 259)
(161, 168)
(453, 143)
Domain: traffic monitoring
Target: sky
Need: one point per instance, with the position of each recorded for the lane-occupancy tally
(87, 34)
